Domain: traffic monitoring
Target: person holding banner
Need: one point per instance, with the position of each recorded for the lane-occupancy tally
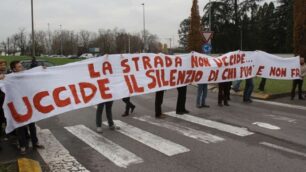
(128, 105)
(2, 95)
(109, 116)
(201, 96)
(181, 100)
(159, 96)
(223, 94)
(299, 82)
(22, 132)
(249, 86)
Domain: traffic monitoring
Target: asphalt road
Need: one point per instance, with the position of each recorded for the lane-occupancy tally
(257, 137)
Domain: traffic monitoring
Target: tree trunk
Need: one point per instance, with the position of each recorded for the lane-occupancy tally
(299, 34)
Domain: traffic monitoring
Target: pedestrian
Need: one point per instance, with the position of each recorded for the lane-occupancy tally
(181, 101)
(159, 97)
(22, 132)
(299, 82)
(109, 116)
(236, 85)
(223, 94)
(201, 96)
(262, 84)
(249, 86)
(128, 106)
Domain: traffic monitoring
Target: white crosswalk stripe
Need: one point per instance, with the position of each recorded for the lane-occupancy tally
(212, 124)
(160, 144)
(115, 153)
(186, 131)
(55, 155)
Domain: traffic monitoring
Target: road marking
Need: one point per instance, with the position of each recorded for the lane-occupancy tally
(212, 124)
(282, 118)
(266, 125)
(283, 149)
(186, 131)
(155, 142)
(281, 104)
(115, 153)
(56, 156)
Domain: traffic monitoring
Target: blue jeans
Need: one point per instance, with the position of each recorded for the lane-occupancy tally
(202, 94)
(236, 85)
(249, 86)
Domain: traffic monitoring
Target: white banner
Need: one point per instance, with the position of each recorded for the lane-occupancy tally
(40, 93)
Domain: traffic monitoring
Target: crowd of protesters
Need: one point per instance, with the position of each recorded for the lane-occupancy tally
(26, 136)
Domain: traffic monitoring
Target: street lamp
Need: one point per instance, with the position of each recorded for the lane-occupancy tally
(144, 29)
(33, 33)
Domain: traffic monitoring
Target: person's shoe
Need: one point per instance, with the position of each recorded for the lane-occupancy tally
(114, 127)
(199, 106)
(220, 104)
(99, 130)
(205, 106)
(38, 146)
(162, 116)
(132, 109)
(248, 101)
(186, 111)
(180, 113)
(23, 150)
(226, 104)
(301, 98)
(125, 114)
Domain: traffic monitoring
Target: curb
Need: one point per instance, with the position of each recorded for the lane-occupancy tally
(28, 165)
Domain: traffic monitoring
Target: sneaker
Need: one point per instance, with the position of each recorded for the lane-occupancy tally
(23, 151)
(99, 129)
(114, 127)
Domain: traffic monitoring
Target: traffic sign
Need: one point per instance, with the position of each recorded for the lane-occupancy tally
(207, 35)
(206, 48)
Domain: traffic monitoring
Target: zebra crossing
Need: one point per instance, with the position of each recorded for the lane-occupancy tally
(56, 156)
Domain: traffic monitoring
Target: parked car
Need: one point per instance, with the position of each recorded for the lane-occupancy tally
(27, 63)
(73, 57)
(87, 55)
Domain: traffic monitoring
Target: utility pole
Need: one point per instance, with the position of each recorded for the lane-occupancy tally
(144, 29)
(61, 37)
(49, 35)
(33, 33)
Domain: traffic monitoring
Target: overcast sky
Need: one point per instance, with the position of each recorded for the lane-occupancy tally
(162, 16)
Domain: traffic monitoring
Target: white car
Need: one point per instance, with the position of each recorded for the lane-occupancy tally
(87, 55)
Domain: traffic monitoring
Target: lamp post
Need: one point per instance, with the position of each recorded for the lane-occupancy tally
(33, 33)
(61, 39)
(144, 29)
